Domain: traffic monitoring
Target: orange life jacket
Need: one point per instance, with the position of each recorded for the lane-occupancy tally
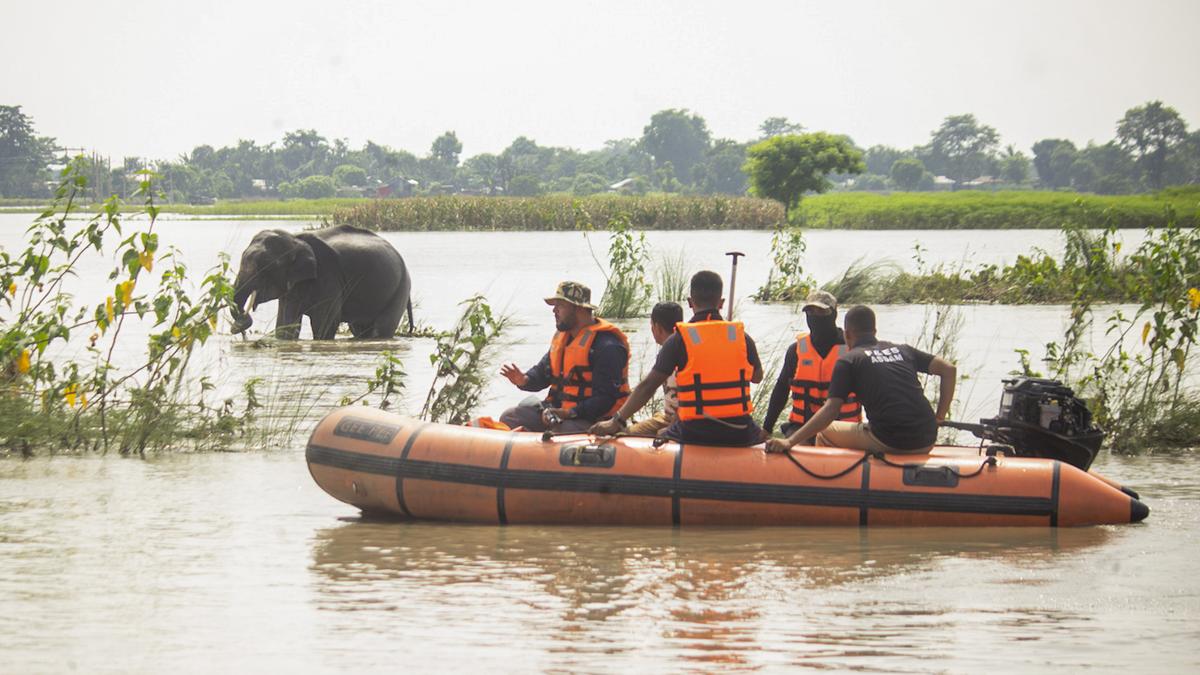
(810, 383)
(715, 381)
(571, 368)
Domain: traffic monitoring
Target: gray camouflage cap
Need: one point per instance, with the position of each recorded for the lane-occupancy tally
(574, 293)
(820, 299)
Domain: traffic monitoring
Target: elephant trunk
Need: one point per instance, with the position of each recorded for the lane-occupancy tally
(243, 305)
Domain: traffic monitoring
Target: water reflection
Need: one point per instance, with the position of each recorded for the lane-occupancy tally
(711, 596)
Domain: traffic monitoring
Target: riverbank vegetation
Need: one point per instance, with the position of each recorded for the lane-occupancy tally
(1135, 375)
(1036, 278)
(562, 213)
(90, 403)
(977, 210)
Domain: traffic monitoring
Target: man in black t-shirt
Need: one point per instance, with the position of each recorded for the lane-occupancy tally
(884, 378)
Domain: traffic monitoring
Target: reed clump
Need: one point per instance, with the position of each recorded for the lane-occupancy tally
(561, 213)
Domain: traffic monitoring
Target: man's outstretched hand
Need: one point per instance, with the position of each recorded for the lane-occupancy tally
(514, 374)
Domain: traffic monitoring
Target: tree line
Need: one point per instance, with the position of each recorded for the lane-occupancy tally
(676, 153)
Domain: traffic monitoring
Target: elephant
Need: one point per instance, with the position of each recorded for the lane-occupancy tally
(333, 275)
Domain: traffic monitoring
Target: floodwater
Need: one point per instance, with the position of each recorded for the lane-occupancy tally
(237, 561)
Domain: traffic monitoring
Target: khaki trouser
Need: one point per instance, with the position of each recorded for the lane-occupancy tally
(651, 426)
(858, 436)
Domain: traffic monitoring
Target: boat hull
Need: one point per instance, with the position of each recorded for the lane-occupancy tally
(387, 464)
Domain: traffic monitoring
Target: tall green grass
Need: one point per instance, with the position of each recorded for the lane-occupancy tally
(560, 212)
(994, 210)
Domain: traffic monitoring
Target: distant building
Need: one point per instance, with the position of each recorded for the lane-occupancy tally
(400, 187)
(982, 182)
(943, 183)
(622, 186)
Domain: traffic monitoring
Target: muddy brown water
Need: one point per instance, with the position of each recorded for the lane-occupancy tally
(237, 561)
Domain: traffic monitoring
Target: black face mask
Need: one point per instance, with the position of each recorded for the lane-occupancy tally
(823, 328)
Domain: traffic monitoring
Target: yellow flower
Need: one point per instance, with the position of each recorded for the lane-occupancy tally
(108, 308)
(175, 332)
(12, 289)
(1145, 332)
(126, 289)
(23, 361)
(70, 394)
(146, 258)
(1194, 298)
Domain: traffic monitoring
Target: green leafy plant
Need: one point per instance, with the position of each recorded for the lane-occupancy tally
(461, 360)
(787, 281)
(626, 292)
(67, 404)
(1136, 382)
(388, 382)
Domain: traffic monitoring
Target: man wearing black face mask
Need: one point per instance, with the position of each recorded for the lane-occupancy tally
(808, 368)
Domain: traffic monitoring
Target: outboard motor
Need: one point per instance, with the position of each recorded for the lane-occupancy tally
(1042, 418)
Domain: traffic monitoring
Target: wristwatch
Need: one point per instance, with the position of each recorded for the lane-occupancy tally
(621, 421)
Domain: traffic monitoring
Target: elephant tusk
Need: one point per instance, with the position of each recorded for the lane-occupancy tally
(251, 302)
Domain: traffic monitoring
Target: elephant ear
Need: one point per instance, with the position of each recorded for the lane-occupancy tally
(304, 265)
(318, 255)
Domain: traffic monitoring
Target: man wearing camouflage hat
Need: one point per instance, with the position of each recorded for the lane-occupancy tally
(808, 368)
(586, 368)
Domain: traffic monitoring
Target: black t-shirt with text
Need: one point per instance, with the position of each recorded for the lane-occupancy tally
(884, 378)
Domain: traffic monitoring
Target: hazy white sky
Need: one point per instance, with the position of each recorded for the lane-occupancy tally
(155, 78)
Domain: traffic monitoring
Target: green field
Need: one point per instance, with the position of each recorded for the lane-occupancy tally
(971, 210)
(837, 210)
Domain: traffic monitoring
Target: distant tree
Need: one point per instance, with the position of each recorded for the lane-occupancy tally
(24, 155)
(446, 149)
(871, 182)
(1083, 175)
(962, 147)
(1151, 132)
(678, 137)
(524, 186)
(778, 126)
(304, 153)
(588, 184)
(783, 168)
(316, 187)
(665, 180)
(907, 173)
(1115, 171)
(482, 171)
(1014, 166)
(721, 172)
(881, 158)
(348, 174)
(1185, 164)
(1053, 172)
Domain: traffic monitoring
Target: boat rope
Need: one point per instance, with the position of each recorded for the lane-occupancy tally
(867, 456)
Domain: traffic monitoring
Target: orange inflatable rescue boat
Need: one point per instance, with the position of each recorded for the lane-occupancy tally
(386, 464)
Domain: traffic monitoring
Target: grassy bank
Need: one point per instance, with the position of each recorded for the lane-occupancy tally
(562, 212)
(1088, 258)
(993, 210)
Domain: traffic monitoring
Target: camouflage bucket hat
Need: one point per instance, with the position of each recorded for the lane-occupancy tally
(574, 293)
(820, 300)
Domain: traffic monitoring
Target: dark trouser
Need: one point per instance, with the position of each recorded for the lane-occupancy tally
(530, 417)
(789, 427)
